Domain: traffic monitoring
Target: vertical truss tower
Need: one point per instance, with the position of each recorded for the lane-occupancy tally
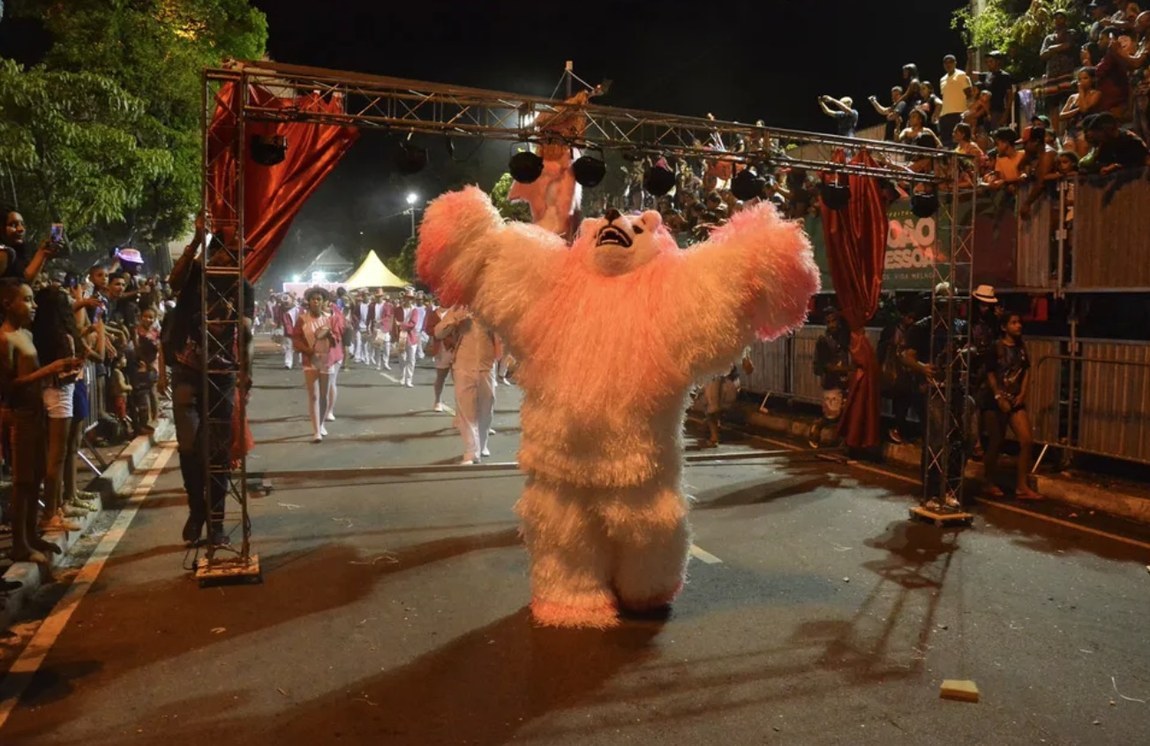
(224, 352)
(949, 405)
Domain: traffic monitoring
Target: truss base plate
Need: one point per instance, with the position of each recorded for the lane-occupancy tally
(230, 570)
(941, 517)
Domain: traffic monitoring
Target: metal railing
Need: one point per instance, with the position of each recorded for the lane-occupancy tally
(87, 452)
(1096, 401)
(1103, 247)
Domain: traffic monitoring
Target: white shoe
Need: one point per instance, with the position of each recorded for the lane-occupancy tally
(322, 430)
(386, 367)
(468, 461)
(438, 407)
(485, 452)
(491, 431)
(331, 416)
(410, 385)
(317, 439)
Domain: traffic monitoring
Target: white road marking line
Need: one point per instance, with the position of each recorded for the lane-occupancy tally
(389, 377)
(13, 685)
(702, 554)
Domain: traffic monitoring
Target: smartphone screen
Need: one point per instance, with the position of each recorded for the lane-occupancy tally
(57, 232)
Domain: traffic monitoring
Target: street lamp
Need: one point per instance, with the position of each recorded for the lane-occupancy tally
(412, 198)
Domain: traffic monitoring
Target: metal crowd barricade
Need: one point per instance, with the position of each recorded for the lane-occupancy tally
(1097, 401)
(1033, 265)
(1112, 409)
(87, 452)
(1111, 223)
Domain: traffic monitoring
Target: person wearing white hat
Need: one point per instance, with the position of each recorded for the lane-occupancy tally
(984, 330)
(410, 326)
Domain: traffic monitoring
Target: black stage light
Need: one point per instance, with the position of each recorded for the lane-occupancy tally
(924, 205)
(525, 166)
(410, 159)
(589, 171)
(658, 180)
(268, 150)
(747, 185)
(835, 196)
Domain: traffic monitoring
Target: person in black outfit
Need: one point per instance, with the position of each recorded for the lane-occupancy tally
(1007, 380)
(183, 339)
(945, 428)
(897, 383)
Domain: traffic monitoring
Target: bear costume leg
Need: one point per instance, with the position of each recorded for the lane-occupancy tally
(570, 557)
(648, 527)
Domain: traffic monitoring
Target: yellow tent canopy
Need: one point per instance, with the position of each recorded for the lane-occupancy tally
(372, 274)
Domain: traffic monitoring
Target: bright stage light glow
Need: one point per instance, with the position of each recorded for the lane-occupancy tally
(412, 198)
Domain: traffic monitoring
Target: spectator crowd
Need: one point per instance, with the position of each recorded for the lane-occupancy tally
(82, 367)
(1089, 114)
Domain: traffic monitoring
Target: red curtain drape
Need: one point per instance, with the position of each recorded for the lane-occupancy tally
(856, 251)
(273, 195)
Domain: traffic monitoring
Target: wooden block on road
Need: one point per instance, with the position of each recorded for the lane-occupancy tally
(964, 691)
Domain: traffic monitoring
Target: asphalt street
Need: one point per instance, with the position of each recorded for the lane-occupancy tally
(393, 611)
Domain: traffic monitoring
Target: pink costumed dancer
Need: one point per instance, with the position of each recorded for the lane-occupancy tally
(603, 513)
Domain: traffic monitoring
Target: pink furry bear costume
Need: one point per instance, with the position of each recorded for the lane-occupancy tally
(610, 333)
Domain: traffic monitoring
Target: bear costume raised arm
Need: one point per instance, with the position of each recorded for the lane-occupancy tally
(610, 334)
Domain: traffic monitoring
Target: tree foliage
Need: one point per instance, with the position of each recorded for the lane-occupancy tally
(155, 51)
(403, 263)
(67, 141)
(518, 211)
(1016, 27)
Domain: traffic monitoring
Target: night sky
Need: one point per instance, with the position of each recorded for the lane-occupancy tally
(739, 60)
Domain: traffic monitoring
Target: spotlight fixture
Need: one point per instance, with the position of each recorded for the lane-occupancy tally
(747, 185)
(835, 195)
(589, 171)
(410, 159)
(268, 150)
(924, 204)
(658, 180)
(525, 166)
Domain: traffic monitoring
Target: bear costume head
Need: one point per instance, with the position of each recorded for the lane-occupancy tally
(616, 244)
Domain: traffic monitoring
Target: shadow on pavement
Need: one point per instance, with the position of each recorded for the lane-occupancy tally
(481, 688)
(297, 584)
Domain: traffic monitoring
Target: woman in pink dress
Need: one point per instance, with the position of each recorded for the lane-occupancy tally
(319, 340)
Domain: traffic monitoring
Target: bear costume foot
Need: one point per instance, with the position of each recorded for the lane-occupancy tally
(553, 614)
(655, 606)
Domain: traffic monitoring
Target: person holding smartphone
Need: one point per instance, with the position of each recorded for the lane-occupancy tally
(13, 259)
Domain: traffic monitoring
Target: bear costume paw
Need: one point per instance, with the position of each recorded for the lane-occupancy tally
(552, 614)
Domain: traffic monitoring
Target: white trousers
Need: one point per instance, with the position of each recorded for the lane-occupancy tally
(360, 346)
(383, 356)
(409, 355)
(289, 353)
(474, 409)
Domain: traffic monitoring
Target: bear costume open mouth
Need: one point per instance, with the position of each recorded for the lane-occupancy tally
(609, 234)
